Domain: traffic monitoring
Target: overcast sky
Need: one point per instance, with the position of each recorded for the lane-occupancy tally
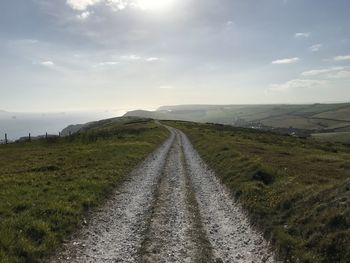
(60, 55)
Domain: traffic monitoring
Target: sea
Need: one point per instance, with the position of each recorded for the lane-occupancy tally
(19, 124)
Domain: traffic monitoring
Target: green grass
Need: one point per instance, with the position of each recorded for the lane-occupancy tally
(296, 191)
(47, 187)
(308, 116)
(342, 137)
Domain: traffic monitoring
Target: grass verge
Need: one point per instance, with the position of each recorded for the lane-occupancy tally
(48, 186)
(296, 191)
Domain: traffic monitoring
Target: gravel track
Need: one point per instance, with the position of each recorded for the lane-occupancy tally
(228, 229)
(174, 234)
(115, 233)
(171, 209)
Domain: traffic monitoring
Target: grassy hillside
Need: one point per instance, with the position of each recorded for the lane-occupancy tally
(312, 116)
(74, 128)
(297, 191)
(342, 137)
(48, 186)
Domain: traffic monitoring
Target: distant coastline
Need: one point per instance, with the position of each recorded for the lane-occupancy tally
(17, 124)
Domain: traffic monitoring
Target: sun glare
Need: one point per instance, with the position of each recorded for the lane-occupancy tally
(154, 5)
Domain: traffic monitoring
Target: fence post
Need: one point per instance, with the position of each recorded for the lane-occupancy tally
(46, 136)
(29, 137)
(6, 138)
(59, 134)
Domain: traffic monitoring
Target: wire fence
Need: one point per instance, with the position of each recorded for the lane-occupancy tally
(30, 138)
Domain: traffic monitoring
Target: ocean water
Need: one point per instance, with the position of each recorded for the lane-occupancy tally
(18, 125)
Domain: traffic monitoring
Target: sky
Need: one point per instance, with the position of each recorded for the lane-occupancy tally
(74, 55)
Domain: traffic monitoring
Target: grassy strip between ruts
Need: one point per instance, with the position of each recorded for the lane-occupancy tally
(46, 187)
(296, 191)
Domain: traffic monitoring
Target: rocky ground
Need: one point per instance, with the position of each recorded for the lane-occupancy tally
(172, 209)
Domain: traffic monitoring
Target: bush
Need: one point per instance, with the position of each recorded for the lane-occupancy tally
(263, 176)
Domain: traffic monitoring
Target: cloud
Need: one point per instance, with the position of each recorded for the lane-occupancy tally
(84, 15)
(329, 73)
(47, 63)
(317, 72)
(286, 61)
(81, 5)
(26, 41)
(343, 74)
(116, 5)
(342, 58)
(107, 63)
(302, 35)
(127, 58)
(151, 59)
(297, 84)
(130, 57)
(133, 57)
(229, 23)
(315, 48)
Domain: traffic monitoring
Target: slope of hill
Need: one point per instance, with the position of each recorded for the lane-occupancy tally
(295, 190)
(48, 186)
(320, 117)
(74, 128)
(342, 137)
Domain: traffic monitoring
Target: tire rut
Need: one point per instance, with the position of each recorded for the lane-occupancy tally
(175, 233)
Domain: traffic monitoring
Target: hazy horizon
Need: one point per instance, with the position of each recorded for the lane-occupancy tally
(127, 54)
(19, 124)
(120, 112)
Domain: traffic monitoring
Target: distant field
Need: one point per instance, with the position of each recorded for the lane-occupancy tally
(343, 137)
(297, 191)
(48, 186)
(310, 116)
(341, 114)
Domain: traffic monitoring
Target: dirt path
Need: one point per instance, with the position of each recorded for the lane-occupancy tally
(175, 234)
(172, 209)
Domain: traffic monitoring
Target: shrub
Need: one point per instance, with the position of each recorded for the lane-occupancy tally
(264, 176)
